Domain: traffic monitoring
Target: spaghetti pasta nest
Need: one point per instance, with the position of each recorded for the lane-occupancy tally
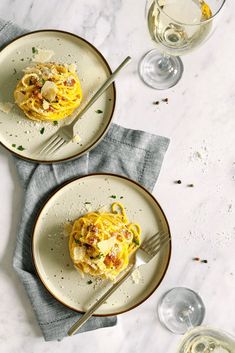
(48, 91)
(101, 243)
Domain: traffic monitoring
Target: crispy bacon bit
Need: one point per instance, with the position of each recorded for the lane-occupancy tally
(32, 80)
(127, 235)
(92, 240)
(51, 109)
(119, 237)
(70, 82)
(39, 95)
(38, 84)
(93, 228)
(112, 260)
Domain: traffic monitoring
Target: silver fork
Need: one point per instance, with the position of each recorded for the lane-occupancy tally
(145, 253)
(66, 133)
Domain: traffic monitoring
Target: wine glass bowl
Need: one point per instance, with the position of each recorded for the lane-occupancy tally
(180, 309)
(176, 27)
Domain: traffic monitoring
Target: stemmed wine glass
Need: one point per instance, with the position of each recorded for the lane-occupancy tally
(176, 27)
(181, 311)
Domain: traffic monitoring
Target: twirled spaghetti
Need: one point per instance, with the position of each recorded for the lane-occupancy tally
(100, 243)
(48, 91)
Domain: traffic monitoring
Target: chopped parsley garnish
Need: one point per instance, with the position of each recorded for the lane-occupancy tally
(99, 111)
(89, 282)
(14, 71)
(22, 59)
(113, 196)
(136, 241)
(20, 148)
(13, 145)
(87, 203)
(42, 130)
(121, 197)
(55, 122)
(34, 50)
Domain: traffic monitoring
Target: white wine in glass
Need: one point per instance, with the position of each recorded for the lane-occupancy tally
(176, 27)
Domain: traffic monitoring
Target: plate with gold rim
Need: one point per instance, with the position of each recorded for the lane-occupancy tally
(50, 246)
(25, 137)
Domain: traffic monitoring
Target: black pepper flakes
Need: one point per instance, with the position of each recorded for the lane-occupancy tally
(178, 182)
(204, 261)
(156, 103)
(190, 185)
(165, 100)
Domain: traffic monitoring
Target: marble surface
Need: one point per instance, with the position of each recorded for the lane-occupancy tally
(199, 119)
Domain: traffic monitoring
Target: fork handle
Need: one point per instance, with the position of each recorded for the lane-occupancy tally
(89, 313)
(101, 90)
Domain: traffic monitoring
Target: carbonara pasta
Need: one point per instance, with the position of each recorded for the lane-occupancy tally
(100, 243)
(48, 91)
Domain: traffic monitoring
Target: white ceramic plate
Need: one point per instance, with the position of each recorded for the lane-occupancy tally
(50, 246)
(17, 130)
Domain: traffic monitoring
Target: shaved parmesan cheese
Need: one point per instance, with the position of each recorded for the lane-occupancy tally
(78, 253)
(88, 207)
(72, 68)
(106, 245)
(76, 138)
(45, 104)
(32, 70)
(67, 229)
(49, 90)
(136, 276)
(6, 107)
(43, 55)
(19, 97)
(104, 208)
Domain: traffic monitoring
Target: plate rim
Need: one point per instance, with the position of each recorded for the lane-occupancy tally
(95, 143)
(45, 204)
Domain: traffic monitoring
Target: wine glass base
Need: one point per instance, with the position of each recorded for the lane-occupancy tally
(181, 309)
(159, 71)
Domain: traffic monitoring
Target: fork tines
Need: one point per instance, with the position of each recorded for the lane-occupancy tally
(153, 244)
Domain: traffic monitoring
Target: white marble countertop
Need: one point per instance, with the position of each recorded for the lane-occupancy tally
(199, 119)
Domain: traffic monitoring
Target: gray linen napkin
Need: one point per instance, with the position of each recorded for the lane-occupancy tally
(135, 154)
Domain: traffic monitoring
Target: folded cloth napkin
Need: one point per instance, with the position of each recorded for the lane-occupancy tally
(135, 154)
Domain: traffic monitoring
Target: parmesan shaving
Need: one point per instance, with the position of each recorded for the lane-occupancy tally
(136, 276)
(6, 107)
(43, 55)
(78, 253)
(49, 90)
(19, 97)
(106, 245)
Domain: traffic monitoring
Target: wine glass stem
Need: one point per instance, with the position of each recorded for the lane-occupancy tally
(164, 63)
(188, 321)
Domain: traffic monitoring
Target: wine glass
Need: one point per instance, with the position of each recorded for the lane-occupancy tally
(180, 309)
(207, 340)
(176, 27)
